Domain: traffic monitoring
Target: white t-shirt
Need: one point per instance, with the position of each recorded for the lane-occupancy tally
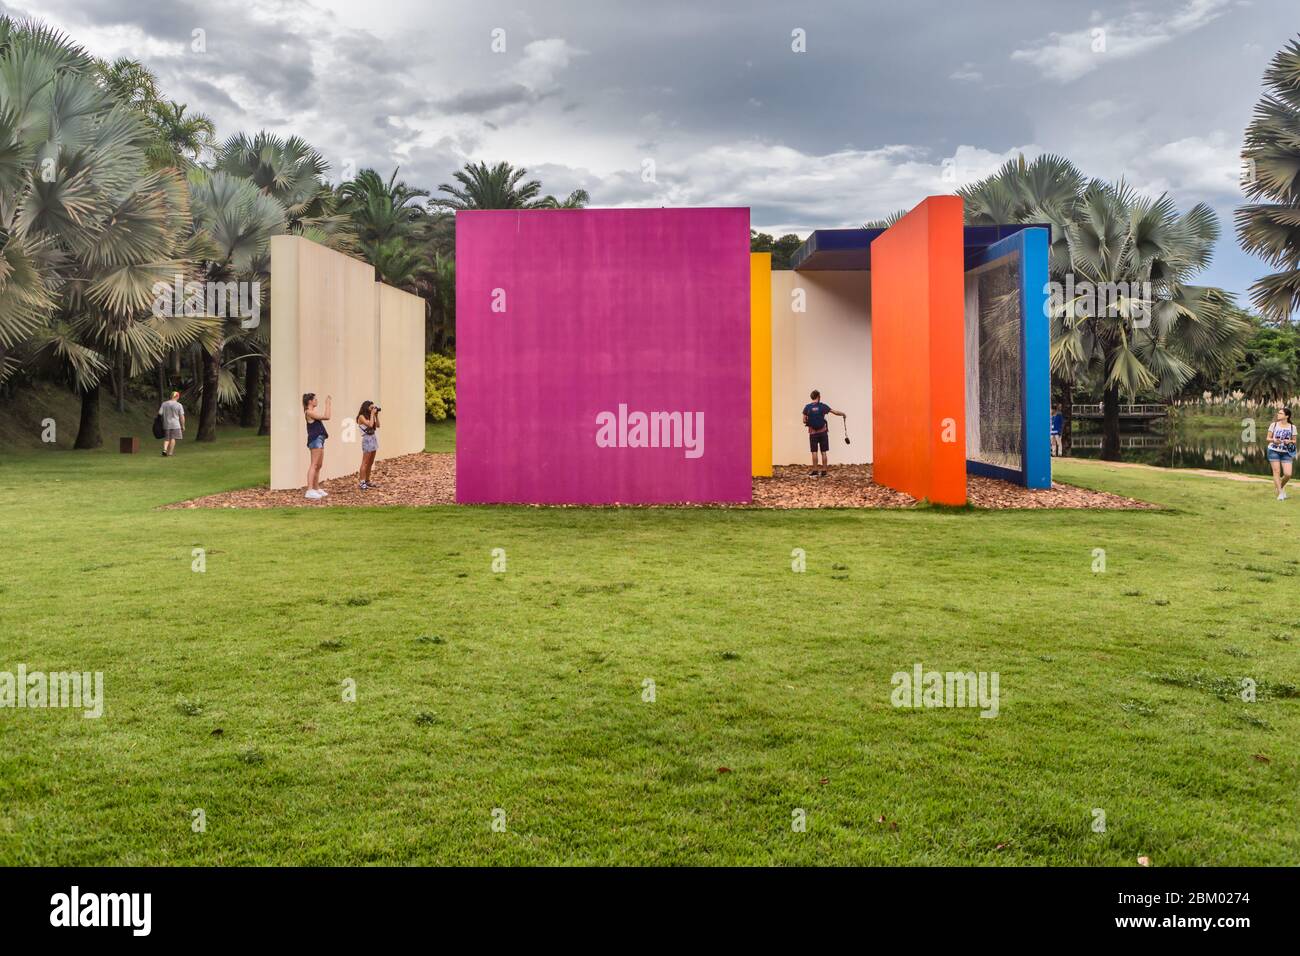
(172, 413)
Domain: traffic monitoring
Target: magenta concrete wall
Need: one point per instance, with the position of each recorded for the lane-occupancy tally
(646, 308)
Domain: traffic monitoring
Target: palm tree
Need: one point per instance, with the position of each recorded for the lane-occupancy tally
(290, 171)
(236, 221)
(491, 187)
(129, 81)
(441, 296)
(183, 140)
(1271, 229)
(1269, 379)
(1044, 190)
(379, 209)
(1159, 330)
(388, 222)
(578, 199)
(397, 262)
(86, 229)
(1113, 238)
(887, 222)
(180, 140)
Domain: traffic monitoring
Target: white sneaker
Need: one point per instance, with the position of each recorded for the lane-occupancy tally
(1282, 496)
(322, 493)
(312, 493)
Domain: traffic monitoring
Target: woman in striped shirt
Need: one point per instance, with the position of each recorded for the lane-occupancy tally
(1281, 450)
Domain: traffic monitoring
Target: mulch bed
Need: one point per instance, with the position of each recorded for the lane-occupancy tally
(418, 479)
(425, 479)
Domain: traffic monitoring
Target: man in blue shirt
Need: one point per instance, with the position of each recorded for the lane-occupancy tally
(1058, 423)
(819, 432)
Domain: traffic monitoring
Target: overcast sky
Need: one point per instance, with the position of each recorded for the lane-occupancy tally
(860, 124)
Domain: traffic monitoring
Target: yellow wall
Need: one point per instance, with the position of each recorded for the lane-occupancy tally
(336, 332)
(760, 361)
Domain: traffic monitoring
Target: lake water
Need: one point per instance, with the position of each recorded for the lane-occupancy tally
(1180, 447)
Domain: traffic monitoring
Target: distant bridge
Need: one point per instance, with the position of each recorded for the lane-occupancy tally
(1125, 441)
(1125, 411)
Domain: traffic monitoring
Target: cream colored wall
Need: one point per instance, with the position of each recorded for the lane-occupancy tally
(401, 371)
(828, 347)
(327, 338)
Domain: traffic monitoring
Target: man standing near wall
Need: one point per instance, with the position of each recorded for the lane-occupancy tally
(819, 432)
(173, 422)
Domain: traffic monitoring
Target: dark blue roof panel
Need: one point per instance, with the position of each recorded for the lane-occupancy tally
(849, 250)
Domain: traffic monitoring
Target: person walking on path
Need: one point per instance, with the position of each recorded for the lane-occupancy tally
(173, 422)
(1281, 450)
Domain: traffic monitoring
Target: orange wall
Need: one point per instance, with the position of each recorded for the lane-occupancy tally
(917, 353)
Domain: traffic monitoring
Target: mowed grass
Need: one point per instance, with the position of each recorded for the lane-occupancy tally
(524, 692)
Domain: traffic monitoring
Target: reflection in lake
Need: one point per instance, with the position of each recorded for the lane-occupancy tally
(1180, 448)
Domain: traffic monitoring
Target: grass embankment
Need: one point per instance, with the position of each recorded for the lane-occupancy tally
(24, 418)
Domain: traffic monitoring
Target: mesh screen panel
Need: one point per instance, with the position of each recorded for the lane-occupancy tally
(998, 400)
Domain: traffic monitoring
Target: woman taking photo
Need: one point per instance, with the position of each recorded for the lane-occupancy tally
(1281, 449)
(368, 422)
(316, 435)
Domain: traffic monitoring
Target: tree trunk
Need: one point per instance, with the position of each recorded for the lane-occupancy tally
(265, 427)
(121, 385)
(208, 409)
(1067, 417)
(88, 435)
(162, 382)
(1110, 424)
(248, 416)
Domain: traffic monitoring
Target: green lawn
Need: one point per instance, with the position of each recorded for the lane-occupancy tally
(523, 690)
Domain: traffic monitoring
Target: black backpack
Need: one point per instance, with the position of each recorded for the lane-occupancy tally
(158, 430)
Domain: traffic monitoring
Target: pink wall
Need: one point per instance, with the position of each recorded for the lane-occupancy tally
(646, 308)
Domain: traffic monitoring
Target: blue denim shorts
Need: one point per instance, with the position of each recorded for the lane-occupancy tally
(1274, 454)
(316, 443)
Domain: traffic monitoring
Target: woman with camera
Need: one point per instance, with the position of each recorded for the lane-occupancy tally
(368, 422)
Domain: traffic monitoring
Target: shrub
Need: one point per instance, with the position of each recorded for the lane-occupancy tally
(439, 386)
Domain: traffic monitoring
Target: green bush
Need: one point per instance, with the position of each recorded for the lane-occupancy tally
(439, 386)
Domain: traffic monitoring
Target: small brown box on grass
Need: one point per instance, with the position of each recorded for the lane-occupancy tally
(128, 446)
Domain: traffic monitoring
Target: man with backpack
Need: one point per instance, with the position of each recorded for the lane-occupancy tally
(814, 416)
(172, 415)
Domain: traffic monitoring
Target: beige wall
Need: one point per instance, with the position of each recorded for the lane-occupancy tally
(827, 346)
(401, 371)
(331, 325)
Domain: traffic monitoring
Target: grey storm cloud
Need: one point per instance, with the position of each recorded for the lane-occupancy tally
(487, 100)
(717, 101)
